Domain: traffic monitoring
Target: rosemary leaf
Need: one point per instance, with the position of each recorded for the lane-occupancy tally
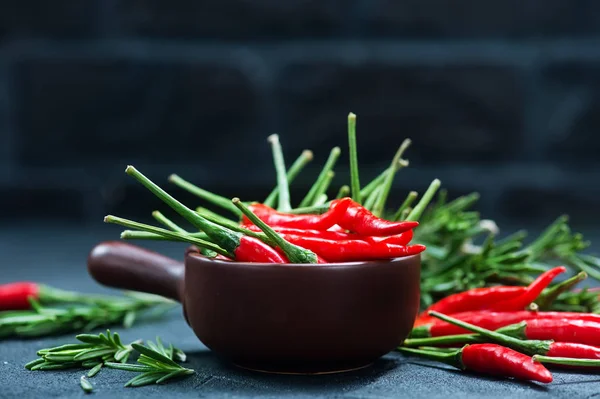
(85, 384)
(95, 370)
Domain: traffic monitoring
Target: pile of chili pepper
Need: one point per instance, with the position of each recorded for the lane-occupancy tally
(500, 331)
(467, 273)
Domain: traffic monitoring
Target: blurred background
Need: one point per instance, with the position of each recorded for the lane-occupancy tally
(499, 97)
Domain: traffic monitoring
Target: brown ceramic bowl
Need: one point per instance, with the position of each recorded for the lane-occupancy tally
(290, 318)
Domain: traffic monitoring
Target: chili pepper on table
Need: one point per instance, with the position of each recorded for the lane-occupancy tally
(576, 331)
(240, 246)
(490, 359)
(300, 221)
(531, 293)
(353, 250)
(16, 296)
(492, 321)
(360, 220)
(530, 346)
(500, 298)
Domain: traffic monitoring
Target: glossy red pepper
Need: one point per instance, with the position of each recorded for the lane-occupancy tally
(399, 239)
(493, 321)
(574, 331)
(14, 296)
(505, 362)
(330, 235)
(360, 220)
(252, 249)
(352, 250)
(531, 293)
(501, 298)
(538, 341)
(307, 221)
(474, 299)
(528, 346)
(490, 359)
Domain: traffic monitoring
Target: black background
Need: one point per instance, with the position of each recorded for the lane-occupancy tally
(499, 97)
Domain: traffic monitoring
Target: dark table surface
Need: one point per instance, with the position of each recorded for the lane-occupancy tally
(57, 257)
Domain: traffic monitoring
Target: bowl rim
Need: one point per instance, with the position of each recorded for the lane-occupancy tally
(328, 266)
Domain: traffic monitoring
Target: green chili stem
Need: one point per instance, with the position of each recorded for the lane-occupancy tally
(373, 185)
(370, 202)
(144, 235)
(323, 187)
(530, 347)
(232, 225)
(405, 213)
(162, 219)
(567, 361)
(282, 182)
(214, 216)
(331, 161)
(549, 295)
(418, 210)
(294, 253)
(410, 198)
(321, 199)
(167, 233)
(354, 177)
(295, 169)
(204, 194)
(450, 358)
(395, 166)
(446, 340)
(226, 236)
(344, 191)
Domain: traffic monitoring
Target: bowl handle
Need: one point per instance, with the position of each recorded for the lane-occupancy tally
(125, 266)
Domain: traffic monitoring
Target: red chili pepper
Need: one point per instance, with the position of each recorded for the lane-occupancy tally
(501, 298)
(252, 249)
(310, 221)
(574, 331)
(567, 349)
(533, 291)
(360, 220)
(474, 299)
(490, 359)
(519, 337)
(330, 235)
(352, 250)
(528, 346)
(14, 296)
(398, 239)
(493, 321)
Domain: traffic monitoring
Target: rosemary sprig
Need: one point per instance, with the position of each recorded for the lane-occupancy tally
(91, 352)
(156, 364)
(43, 321)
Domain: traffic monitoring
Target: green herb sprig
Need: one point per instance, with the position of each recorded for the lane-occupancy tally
(91, 352)
(156, 364)
(74, 317)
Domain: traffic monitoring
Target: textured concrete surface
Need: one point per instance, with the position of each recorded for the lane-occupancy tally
(57, 257)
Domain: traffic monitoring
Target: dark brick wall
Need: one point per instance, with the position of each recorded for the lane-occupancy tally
(500, 97)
